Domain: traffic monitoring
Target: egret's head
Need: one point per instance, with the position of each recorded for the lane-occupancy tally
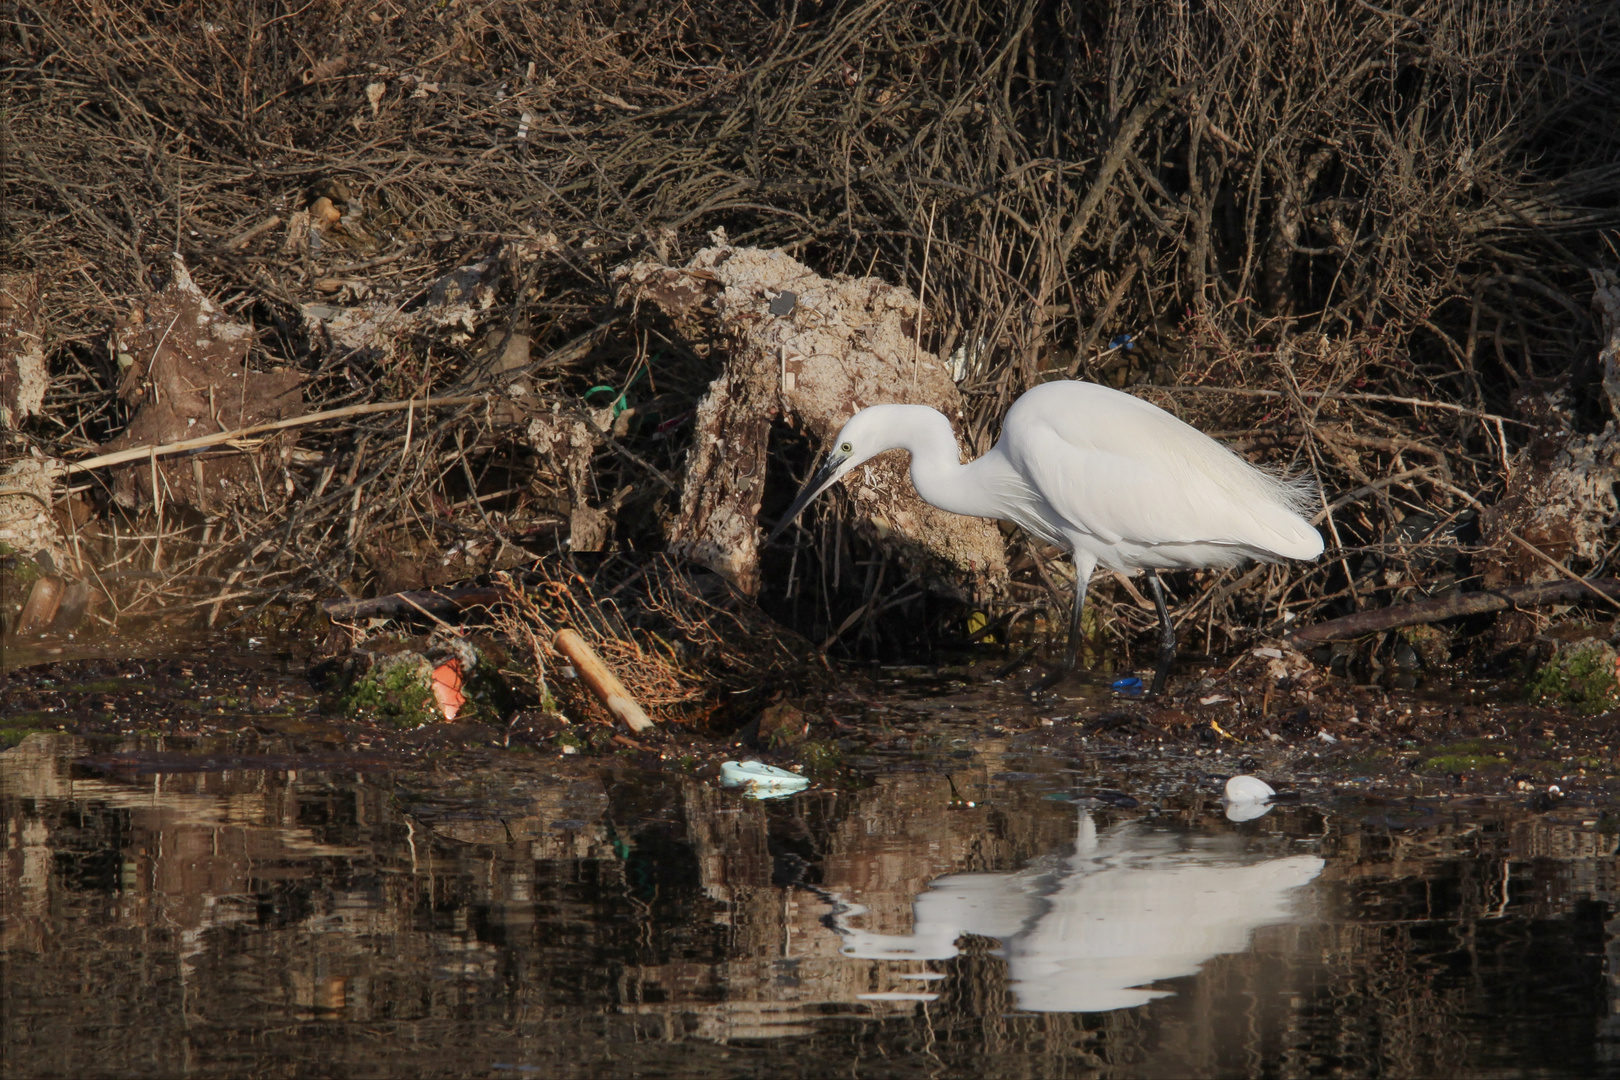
(869, 432)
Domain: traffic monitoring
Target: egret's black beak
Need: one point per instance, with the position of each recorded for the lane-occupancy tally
(824, 478)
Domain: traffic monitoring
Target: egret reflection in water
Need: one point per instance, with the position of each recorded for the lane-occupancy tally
(1132, 905)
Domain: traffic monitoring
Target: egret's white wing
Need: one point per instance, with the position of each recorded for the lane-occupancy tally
(1119, 469)
(1108, 933)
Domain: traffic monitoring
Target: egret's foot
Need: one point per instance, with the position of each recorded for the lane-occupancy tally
(1052, 678)
(1161, 674)
(1007, 669)
(1167, 636)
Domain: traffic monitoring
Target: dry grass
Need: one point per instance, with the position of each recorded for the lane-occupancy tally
(1350, 207)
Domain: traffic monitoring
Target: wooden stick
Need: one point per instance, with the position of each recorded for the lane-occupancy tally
(603, 683)
(1561, 568)
(432, 602)
(1534, 550)
(241, 238)
(1449, 607)
(122, 457)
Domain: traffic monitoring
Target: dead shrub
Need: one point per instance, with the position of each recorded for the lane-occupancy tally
(1353, 238)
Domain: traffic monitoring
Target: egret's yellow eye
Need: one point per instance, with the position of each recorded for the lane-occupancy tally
(847, 448)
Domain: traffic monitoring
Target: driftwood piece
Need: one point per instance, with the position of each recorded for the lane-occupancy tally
(812, 351)
(433, 601)
(43, 601)
(1450, 607)
(603, 683)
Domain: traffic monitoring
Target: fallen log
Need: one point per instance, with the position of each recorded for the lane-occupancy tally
(1450, 607)
(603, 683)
(433, 601)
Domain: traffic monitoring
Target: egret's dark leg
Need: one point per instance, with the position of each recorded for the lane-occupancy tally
(1071, 656)
(1167, 634)
(1071, 659)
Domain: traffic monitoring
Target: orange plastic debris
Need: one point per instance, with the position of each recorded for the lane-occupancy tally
(447, 679)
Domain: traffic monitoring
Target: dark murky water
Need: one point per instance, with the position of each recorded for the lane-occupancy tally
(174, 914)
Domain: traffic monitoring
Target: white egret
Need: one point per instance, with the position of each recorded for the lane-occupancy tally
(1115, 480)
(1131, 907)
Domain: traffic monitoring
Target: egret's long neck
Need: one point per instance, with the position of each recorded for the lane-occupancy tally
(936, 466)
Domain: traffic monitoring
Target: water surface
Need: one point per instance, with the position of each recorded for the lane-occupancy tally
(197, 909)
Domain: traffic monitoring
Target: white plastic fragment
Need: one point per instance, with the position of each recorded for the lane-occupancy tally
(759, 780)
(1248, 789)
(1247, 797)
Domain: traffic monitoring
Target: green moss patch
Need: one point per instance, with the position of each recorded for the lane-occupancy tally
(18, 726)
(821, 758)
(390, 680)
(100, 686)
(1469, 755)
(398, 690)
(1581, 676)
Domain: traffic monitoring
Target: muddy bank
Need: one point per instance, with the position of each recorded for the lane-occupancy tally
(1435, 743)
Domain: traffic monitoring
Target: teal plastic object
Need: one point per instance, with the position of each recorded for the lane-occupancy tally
(622, 401)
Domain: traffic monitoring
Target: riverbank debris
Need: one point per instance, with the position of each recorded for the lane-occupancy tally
(812, 361)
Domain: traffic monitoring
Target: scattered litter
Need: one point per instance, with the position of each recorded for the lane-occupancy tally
(1247, 789)
(759, 780)
(1130, 686)
(1247, 798)
(447, 680)
(1326, 737)
(1213, 699)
